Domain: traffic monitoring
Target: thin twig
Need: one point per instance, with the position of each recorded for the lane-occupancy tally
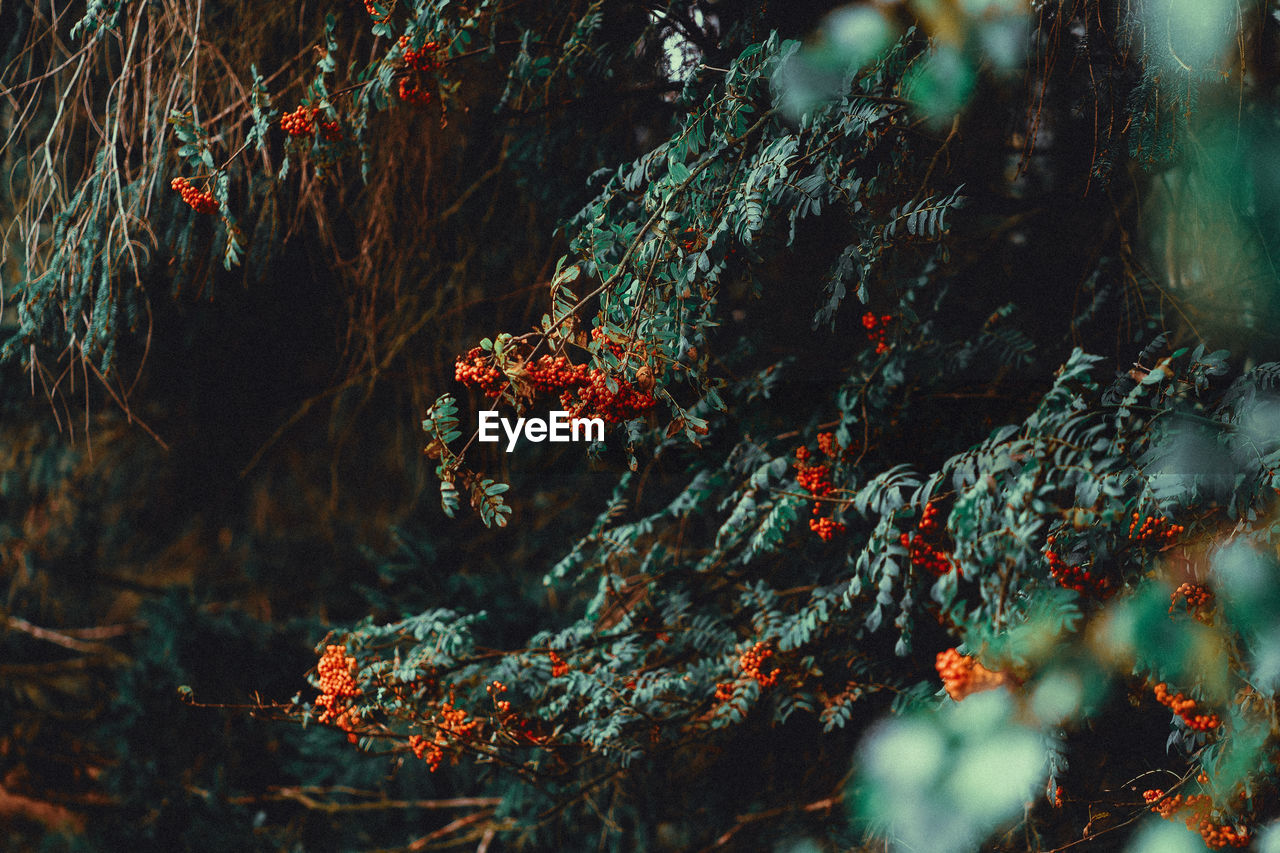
(49, 635)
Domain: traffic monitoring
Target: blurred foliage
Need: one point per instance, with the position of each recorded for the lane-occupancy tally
(937, 507)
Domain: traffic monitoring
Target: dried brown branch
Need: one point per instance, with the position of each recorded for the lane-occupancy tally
(309, 797)
(746, 820)
(49, 635)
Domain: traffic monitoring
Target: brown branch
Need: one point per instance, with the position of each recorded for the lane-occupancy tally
(33, 670)
(449, 828)
(303, 797)
(745, 820)
(52, 816)
(60, 638)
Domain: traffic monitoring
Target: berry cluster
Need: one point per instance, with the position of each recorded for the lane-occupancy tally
(515, 726)
(450, 723)
(923, 545)
(1196, 597)
(1153, 530)
(1197, 818)
(201, 201)
(424, 59)
(877, 330)
(1079, 578)
(413, 92)
(826, 528)
(749, 664)
(336, 671)
(752, 659)
(302, 122)
(475, 370)
(427, 750)
(584, 393)
(558, 666)
(495, 689)
(1186, 709)
(595, 399)
(549, 375)
(816, 480)
(618, 350)
(963, 675)
(378, 17)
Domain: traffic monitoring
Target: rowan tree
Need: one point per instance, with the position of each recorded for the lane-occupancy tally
(936, 502)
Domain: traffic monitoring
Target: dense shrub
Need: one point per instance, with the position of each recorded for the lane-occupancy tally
(936, 500)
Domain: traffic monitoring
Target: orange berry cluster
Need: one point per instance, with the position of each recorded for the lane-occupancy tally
(516, 726)
(826, 528)
(475, 370)
(594, 399)
(922, 544)
(201, 201)
(749, 664)
(829, 444)
(427, 750)
(336, 671)
(584, 392)
(963, 675)
(413, 92)
(450, 723)
(495, 689)
(423, 59)
(373, 11)
(1186, 709)
(1154, 530)
(816, 480)
(558, 666)
(1197, 599)
(1164, 806)
(619, 351)
(454, 720)
(877, 330)
(411, 89)
(1197, 817)
(549, 375)
(1079, 578)
(302, 122)
(752, 659)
